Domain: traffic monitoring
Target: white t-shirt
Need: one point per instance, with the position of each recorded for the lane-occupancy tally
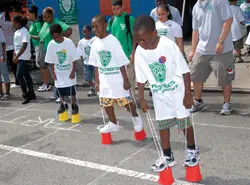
(62, 55)
(107, 54)
(22, 36)
(238, 17)
(248, 39)
(165, 79)
(84, 47)
(169, 29)
(245, 7)
(2, 40)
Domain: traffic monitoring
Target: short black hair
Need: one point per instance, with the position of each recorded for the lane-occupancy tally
(88, 27)
(22, 20)
(145, 23)
(34, 10)
(116, 2)
(101, 18)
(55, 28)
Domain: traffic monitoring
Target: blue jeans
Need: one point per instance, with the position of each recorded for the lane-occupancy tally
(4, 72)
(23, 76)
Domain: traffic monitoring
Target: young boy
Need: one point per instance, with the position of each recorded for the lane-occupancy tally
(62, 54)
(121, 26)
(3, 69)
(238, 22)
(160, 62)
(110, 73)
(84, 47)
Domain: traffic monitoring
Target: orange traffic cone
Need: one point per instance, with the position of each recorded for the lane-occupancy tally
(193, 174)
(106, 138)
(166, 177)
(140, 136)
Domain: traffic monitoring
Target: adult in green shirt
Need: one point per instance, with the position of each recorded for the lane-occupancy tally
(45, 37)
(117, 27)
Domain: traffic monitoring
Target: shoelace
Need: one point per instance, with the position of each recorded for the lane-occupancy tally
(191, 155)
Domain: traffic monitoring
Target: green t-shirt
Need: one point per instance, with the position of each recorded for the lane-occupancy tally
(45, 33)
(34, 30)
(119, 30)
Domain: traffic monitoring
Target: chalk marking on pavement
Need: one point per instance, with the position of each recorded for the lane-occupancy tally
(13, 120)
(86, 164)
(222, 126)
(38, 140)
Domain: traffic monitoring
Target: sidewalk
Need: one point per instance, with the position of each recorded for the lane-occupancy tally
(241, 83)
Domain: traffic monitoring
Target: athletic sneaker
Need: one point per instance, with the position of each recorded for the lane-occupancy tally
(163, 162)
(198, 106)
(5, 97)
(58, 100)
(41, 87)
(110, 127)
(91, 93)
(52, 98)
(192, 157)
(75, 109)
(226, 109)
(63, 107)
(138, 124)
(44, 88)
(31, 95)
(14, 86)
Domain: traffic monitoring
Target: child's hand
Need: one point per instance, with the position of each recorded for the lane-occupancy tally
(2, 59)
(15, 60)
(190, 56)
(72, 75)
(126, 85)
(54, 76)
(144, 106)
(97, 87)
(188, 101)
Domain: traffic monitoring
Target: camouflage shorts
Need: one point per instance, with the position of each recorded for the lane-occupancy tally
(181, 123)
(108, 102)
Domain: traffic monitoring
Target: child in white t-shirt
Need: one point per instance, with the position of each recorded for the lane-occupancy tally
(169, 28)
(160, 62)
(84, 47)
(62, 54)
(4, 69)
(236, 29)
(111, 77)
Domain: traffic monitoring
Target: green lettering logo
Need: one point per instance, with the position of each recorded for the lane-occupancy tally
(105, 57)
(62, 56)
(87, 50)
(159, 71)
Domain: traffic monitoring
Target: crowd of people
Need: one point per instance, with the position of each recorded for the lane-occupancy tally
(125, 50)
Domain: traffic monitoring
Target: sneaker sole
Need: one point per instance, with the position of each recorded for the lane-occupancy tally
(170, 165)
(198, 109)
(226, 113)
(103, 132)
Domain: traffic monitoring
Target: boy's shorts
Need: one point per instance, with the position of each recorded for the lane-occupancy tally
(66, 91)
(181, 123)
(238, 44)
(222, 64)
(4, 72)
(89, 72)
(109, 102)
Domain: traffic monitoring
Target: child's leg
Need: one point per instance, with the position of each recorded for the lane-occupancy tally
(1, 88)
(237, 53)
(7, 87)
(132, 109)
(190, 137)
(73, 99)
(111, 114)
(165, 139)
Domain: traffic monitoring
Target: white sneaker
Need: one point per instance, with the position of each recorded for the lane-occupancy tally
(14, 86)
(110, 127)
(138, 124)
(226, 109)
(5, 97)
(44, 88)
(192, 157)
(41, 87)
(58, 100)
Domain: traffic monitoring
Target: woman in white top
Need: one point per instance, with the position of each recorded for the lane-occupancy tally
(167, 27)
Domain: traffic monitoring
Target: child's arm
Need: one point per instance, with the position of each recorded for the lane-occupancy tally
(73, 72)
(53, 72)
(97, 82)
(179, 42)
(188, 100)
(126, 84)
(143, 103)
(23, 48)
(3, 52)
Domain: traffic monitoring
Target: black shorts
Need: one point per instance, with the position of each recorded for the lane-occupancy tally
(66, 91)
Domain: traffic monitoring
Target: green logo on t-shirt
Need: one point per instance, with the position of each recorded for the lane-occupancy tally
(62, 56)
(159, 71)
(162, 32)
(210, 7)
(105, 57)
(87, 50)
